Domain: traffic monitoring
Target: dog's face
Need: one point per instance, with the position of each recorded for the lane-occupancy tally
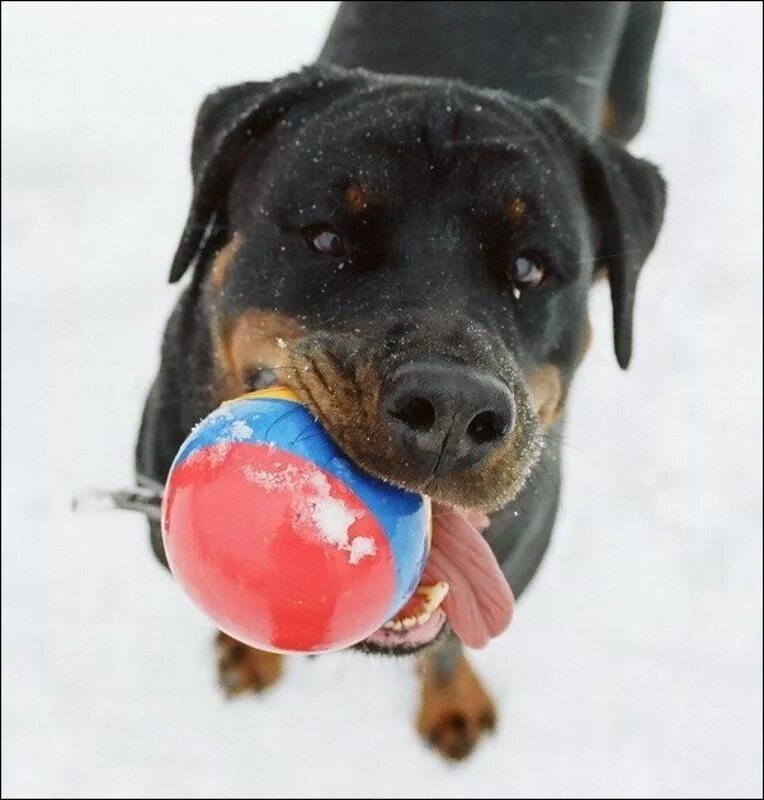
(414, 259)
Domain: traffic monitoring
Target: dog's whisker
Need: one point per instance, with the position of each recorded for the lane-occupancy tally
(300, 438)
(577, 444)
(601, 257)
(288, 367)
(292, 410)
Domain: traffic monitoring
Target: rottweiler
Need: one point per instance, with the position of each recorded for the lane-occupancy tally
(405, 233)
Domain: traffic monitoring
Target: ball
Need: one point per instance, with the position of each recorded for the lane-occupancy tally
(279, 538)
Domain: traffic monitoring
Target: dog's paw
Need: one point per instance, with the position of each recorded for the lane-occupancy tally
(243, 669)
(455, 710)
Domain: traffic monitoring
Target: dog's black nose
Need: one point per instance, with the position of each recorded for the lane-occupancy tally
(447, 417)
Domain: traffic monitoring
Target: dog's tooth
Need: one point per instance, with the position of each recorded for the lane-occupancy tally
(433, 595)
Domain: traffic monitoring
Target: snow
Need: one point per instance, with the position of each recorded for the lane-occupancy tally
(633, 665)
(270, 481)
(288, 478)
(312, 502)
(218, 452)
(240, 431)
(360, 547)
(333, 519)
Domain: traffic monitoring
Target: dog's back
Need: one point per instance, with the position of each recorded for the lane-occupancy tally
(579, 54)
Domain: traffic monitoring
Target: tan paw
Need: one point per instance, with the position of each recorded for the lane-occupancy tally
(455, 710)
(243, 669)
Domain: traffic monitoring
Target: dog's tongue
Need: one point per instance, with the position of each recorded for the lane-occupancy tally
(479, 602)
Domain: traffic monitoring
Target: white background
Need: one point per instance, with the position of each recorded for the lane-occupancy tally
(634, 665)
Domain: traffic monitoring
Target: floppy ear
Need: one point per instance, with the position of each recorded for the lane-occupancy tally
(626, 197)
(228, 122)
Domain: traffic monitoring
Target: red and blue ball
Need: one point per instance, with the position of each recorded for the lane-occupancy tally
(277, 536)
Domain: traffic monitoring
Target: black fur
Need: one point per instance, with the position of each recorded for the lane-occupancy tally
(478, 102)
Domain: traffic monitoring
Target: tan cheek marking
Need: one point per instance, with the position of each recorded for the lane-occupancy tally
(223, 260)
(356, 199)
(587, 341)
(546, 392)
(609, 121)
(255, 340)
(517, 211)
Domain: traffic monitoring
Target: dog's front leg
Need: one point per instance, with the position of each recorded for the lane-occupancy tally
(244, 669)
(455, 710)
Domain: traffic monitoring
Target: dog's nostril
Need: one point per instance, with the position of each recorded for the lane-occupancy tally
(417, 413)
(486, 427)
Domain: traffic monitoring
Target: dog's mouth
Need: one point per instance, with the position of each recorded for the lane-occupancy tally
(462, 587)
(417, 626)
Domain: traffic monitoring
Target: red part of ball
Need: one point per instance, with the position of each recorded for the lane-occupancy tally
(295, 578)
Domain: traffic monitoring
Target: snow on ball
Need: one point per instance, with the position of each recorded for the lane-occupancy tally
(279, 538)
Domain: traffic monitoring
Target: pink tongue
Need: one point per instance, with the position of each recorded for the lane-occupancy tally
(479, 602)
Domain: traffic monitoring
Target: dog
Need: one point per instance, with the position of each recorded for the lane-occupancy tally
(405, 233)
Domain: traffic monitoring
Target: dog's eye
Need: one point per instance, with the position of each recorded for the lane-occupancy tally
(528, 271)
(324, 239)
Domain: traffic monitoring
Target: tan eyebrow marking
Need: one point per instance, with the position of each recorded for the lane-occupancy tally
(223, 259)
(517, 211)
(357, 199)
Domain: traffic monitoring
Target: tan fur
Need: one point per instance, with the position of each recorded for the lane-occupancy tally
(517, 211)
(243, 669)
(346, 400)
(356, 199)
(222, 261)
(609, 119)
(254, 340)
(587, 343)
(547, 392)
(455, 710)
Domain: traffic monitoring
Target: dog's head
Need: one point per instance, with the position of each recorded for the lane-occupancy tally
(413, 257)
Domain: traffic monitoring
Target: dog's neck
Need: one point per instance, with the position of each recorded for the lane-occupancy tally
(562, 51)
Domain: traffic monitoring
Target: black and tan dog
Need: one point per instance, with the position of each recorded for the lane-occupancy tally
(406, 233)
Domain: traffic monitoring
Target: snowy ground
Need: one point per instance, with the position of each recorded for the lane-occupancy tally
(634, 664)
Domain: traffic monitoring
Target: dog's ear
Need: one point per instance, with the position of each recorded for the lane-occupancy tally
(228, 123)
(626, 198)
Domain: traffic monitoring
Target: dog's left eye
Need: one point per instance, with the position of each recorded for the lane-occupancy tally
(324, 239)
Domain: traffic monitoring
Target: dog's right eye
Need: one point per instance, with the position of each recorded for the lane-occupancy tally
(528, 271)
(322, 238)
